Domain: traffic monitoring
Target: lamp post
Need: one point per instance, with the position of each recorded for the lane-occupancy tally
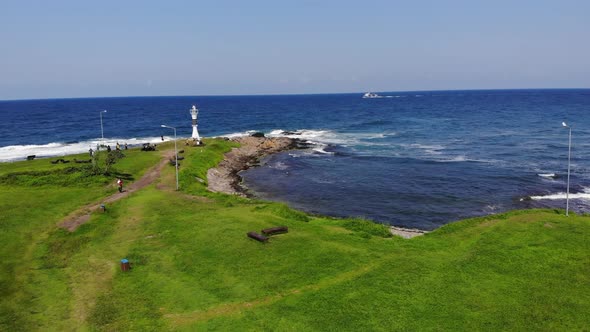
(101, 128)
(569, 158)
(175, 153)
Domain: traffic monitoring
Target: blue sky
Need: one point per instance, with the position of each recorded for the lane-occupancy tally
(53, 49)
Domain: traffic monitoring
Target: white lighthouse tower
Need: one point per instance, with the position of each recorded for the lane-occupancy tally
(194, 112)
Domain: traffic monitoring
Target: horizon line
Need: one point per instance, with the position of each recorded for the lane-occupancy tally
(293, 94)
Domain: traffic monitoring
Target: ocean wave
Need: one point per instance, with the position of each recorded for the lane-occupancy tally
(320, 148)
(432, 149)
(320, 136)
(547, 175)
(462, 158)
(585, 194)
(20, 152)
(238, 134)
(559, 196)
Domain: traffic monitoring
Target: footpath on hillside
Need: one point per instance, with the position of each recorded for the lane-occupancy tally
(82, 215)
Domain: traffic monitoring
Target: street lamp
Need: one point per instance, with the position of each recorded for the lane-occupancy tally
(101, 128)
(569, 158)
(175, 153)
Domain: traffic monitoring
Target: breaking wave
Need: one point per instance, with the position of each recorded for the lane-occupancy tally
(585, 194)
(20, 152)
(547, 175)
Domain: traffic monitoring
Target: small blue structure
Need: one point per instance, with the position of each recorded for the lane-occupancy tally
(125, 265)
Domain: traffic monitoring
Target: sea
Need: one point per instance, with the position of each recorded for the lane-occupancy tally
(417, 159)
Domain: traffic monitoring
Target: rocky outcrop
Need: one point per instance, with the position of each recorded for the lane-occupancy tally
(225, 179)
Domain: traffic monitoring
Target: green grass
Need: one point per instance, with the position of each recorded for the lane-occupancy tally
(194, 269)
(41, 172)
(30, 208)
(193, 179)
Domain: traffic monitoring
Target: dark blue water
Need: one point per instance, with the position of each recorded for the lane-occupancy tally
(416, 159)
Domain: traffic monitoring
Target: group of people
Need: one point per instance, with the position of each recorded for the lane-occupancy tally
(117, 147)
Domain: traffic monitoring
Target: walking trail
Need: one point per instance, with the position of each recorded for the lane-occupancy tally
(82, 215)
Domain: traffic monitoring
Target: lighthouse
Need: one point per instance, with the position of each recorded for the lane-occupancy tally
(194, 112)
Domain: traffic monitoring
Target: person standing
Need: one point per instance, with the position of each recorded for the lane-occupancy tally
(125, 146)
(120, 184)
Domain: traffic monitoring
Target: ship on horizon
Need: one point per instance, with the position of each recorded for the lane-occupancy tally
(371, 95)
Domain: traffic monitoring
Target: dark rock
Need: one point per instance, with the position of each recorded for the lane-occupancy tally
(257, 134)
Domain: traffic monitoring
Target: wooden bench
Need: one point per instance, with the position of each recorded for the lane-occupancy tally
(257, 237)
(275, 230)
(31, 157)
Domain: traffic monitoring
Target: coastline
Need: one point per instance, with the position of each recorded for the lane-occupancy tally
(225, 177)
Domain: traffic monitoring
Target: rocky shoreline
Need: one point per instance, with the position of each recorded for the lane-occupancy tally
(225, 178)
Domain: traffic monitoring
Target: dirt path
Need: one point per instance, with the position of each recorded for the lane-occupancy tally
(82, 215)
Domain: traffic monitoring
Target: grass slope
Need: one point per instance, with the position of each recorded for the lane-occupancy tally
(194, 268)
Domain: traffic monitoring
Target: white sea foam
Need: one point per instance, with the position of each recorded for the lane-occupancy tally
(558, 196)
(280, 166)
(320, 148)
(239, 134)
(547, 175)
(425, 146)
(319, 136)
(458, 159)
(20, 152)
(434, 149)
(462, 158)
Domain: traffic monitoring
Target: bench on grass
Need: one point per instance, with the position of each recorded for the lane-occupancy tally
(275, 230)
(31, 157)
(257, 237)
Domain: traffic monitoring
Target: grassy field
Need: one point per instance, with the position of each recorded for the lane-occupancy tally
(193, 268)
